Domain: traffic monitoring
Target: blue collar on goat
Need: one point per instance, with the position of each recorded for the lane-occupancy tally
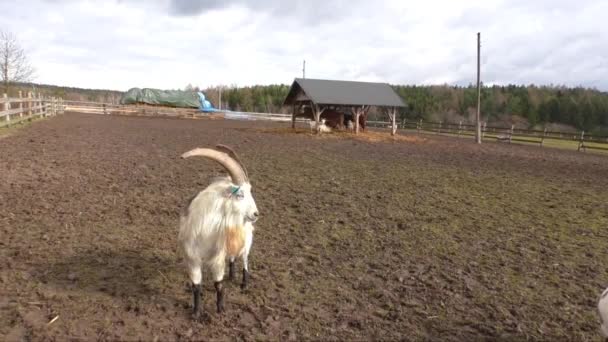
(234, 190)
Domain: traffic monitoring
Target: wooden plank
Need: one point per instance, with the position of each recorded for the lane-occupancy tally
(11, 112)
(597, 147)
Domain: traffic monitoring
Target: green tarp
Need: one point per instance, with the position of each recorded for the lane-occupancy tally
(170, 98)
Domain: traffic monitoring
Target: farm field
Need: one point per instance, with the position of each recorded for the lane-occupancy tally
(428, 238)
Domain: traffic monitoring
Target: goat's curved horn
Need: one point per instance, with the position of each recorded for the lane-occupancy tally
(234, 169)
(234, 156)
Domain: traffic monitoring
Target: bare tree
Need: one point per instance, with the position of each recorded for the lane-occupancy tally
(14, 65)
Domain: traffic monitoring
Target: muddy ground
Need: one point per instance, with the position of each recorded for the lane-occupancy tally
(434, 238)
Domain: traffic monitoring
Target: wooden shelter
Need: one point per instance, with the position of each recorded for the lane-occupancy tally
(313, 97)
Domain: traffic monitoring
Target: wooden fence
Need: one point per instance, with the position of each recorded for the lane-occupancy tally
(25, 108)
(511, 134)
(134, 110)
(146, 110)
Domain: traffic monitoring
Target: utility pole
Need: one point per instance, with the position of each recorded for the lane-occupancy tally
(478, 116)
(304, 69)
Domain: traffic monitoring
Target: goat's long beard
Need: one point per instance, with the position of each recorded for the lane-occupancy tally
(234, 234)
(235, 240)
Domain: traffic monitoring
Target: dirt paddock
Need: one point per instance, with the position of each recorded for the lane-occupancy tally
(431, 238)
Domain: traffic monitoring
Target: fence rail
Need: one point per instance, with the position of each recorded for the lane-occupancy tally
(112, 108)
(25, 108)
(118, 109)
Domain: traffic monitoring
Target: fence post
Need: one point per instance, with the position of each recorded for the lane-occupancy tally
(20, 106)
(542, 140)
(459, 127)
(403, 124)
(7, 106)
(29, 105)
(440, 122)
(581, 143)
(105, 111)
(511, 133)
(483, 129)
(419, 125)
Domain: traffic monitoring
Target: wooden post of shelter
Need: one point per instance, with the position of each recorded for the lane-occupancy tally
(542, 140)
(511, 133)
(316, 112)
(581, 143)
(293, 116)
(392, 115)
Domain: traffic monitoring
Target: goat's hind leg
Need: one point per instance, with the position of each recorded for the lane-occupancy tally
(218, 276)
(197, 294)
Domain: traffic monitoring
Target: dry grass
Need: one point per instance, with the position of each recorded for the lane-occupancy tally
(368, 136)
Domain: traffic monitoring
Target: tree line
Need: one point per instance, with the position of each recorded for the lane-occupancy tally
(531, 106)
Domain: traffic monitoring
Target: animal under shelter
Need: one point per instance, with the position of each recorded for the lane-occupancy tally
(339, 101)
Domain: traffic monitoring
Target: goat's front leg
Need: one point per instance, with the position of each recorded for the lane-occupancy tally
(197, 294)
(231, 269)
(219, 291)
(245, 272)
(248, 243)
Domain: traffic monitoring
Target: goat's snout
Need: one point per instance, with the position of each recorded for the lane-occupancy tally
(254, 216)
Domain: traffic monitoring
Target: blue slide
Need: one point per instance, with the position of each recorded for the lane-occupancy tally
(205, 106)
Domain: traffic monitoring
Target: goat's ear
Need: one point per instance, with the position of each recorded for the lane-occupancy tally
(233, 191)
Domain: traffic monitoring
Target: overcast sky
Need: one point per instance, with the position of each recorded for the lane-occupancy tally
(170, 43)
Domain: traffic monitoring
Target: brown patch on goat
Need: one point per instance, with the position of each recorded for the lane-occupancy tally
(235, 240)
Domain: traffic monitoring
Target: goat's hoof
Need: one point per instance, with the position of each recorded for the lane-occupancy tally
(196, 316)
(244, 286)
(220, 310)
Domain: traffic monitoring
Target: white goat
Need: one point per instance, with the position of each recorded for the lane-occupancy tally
(350, 126)
(323, 128)
(218, 224)
(602, 308)
(319, 128)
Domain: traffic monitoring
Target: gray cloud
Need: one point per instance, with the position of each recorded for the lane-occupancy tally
(195, 7)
